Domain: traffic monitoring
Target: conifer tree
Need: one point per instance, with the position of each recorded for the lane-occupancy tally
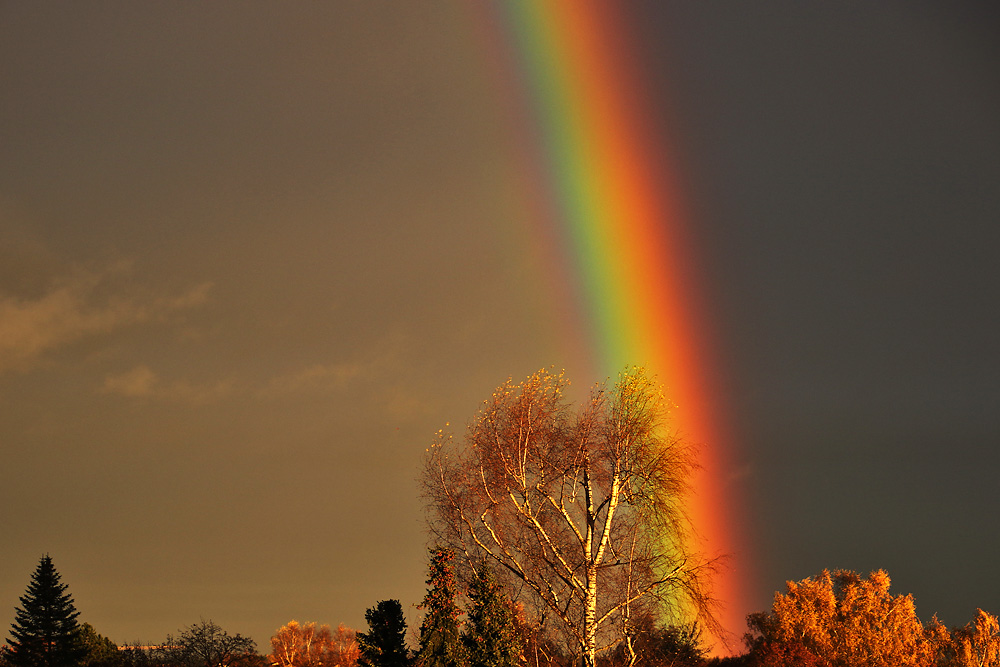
(440, 645)
(384, 645)
(45, 631)
(491, 638)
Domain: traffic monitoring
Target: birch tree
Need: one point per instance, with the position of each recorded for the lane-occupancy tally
(582, 509)
(305, 645)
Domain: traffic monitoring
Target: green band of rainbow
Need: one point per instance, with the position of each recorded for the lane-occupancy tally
(614, 199)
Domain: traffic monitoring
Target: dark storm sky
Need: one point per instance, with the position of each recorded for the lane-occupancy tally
(252, 256)
(844, 162)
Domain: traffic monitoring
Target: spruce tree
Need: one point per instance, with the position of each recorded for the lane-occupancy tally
(440, 645)
(491, 637)
(45, 631)
(384, 645)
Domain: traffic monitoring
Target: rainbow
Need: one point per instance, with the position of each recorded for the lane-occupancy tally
(605, 192)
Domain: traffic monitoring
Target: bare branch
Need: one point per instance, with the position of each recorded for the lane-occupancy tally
(586, 510)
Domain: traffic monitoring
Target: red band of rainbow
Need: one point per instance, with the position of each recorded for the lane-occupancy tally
(600, 176)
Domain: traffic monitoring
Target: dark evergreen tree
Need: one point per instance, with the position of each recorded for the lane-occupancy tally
(491, 638)
(384, 645)
(440, 645)
(45, 632)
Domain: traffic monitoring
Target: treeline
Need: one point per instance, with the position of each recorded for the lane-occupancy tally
(583, 512)
(834, 619)
(562, 539)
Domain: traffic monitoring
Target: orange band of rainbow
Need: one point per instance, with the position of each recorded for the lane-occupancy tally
(613, 196)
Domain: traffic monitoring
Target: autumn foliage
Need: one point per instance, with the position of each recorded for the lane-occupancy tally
(305, 645)
(582, 512)
(839, 619)
(978, 643)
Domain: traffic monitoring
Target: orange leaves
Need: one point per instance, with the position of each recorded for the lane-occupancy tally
(978, 643)
(844, 619)
(298, 645)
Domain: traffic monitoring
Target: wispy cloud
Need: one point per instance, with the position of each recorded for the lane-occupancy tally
(195, 296)
(365, 375)
(376, 377)
(141, 382)
(79, 306)
(405, 403)
(319, 377)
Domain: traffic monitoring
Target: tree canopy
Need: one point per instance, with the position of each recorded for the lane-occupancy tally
(841, 618)
(98, 650)
(584, 509)
(205, 644)
(304, 645)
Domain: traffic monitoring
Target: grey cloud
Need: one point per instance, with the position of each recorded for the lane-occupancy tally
(83, 305)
